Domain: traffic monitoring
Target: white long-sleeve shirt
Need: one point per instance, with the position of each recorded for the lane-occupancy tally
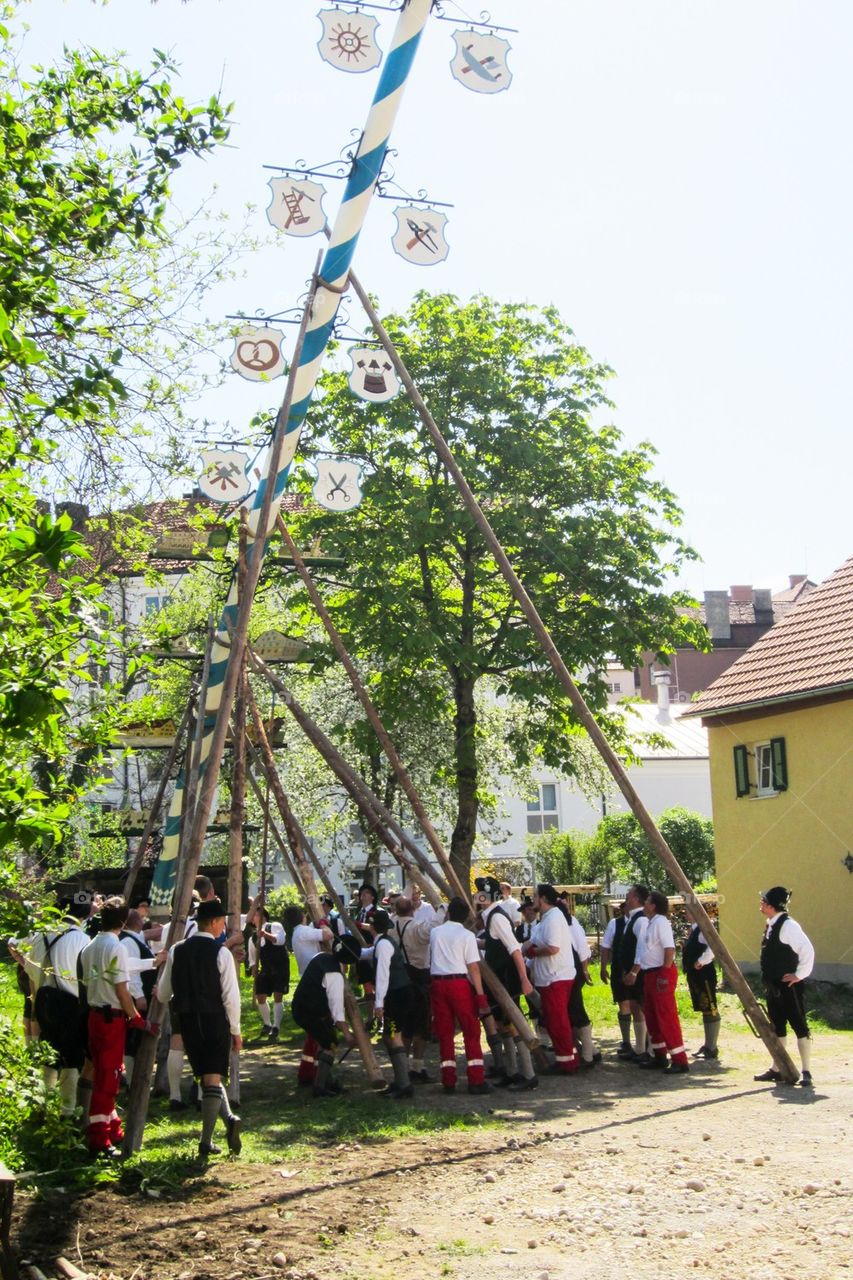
(383, 956)
(333, 985)
(228, 984)
(414, 935)
(792, 935)
(552, 931)
(501, 927)
(656, 938)
(306, 941)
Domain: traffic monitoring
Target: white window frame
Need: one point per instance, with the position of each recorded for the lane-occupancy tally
(539, 817)
(764, 767)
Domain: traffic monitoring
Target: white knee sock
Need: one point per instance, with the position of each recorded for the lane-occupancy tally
(264, 1011)
(174, 1069)
(234, 1078)
(804, 1045)
(278, 1010)
(585, 1037)
(68, 1090)
(50, 1076)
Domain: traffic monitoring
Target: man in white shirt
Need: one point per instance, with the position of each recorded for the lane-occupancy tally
(306, 940)
(697, 962)
(625, 947)
(553, 972)
(609, 942)
(141, 982)
(457, 996)
(269, 962)
(51, 966)
(510, 904)
(104, 973)
(655, 973)
(787, 959)
(502, 952)
(200, 979)
(413, 935)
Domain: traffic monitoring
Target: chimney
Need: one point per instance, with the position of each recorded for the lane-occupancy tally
(717, 615)
(763, 602)
(795, 579)
(742, 594)
(662, 679)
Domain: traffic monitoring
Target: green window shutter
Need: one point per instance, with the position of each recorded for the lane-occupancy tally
(780, 764)
(741, 771)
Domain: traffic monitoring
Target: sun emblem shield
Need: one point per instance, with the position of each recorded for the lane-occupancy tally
(419, 237)
(296, 206)
(480, 61)
(257, 354)
(348, 41)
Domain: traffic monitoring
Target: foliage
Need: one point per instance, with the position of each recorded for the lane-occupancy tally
(620, 847)
(563, 857)
(89, 148)
(286, 895)
(591, 532)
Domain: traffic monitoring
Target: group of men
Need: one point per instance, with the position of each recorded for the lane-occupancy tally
(425, 971)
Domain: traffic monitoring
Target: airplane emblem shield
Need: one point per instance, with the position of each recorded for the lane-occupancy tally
(480, 61)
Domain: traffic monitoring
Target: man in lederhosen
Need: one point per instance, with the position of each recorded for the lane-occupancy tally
(141, 985)
(502, 952)
(396, 1004)
(624, 960)
(269, 962)
(787, 959)
(697, 963)
(201, 980)
(318, 1008)
(609, 944)
(413, 936)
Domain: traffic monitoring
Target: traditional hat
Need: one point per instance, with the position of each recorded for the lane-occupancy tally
(370, 888)
(346, 949)
(776, 897)
(488, 886)
(212, 909)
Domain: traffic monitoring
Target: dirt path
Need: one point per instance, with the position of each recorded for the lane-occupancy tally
(615, 1172)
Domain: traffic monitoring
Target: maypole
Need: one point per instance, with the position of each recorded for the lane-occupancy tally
(318, 322)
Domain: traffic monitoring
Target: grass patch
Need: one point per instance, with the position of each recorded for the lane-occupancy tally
(462, 1249)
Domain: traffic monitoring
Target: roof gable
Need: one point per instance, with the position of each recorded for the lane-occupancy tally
(808, 652)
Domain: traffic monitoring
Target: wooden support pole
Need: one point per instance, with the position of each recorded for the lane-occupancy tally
(362, 1040)
(365, 798)
(782, 1060)
(157, 803)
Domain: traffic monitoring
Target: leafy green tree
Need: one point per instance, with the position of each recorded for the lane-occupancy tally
(621, 849)
(591, 532)
(562, 857)
(89, 148)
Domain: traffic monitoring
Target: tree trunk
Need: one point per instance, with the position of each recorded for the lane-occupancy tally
(465, 749)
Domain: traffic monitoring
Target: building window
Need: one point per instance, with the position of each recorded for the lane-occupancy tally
(761, 770)
(615, 687)
(153, 604)
(542, 810)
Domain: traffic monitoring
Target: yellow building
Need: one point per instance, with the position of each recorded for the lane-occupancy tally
(780, 739)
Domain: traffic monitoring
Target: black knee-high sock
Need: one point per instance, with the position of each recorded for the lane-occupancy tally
(211, 1101)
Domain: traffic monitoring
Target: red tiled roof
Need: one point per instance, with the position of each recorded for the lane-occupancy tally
(808, 652)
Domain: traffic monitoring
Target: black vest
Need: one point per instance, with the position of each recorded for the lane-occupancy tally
(523, 931)
(777, 958)
(625, 944)
(497, 956)
(310, 998)
(148, 977)
(398, 974)
(196, 987)
(692, 950)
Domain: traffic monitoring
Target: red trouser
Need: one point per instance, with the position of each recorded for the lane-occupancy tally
(106, 1049)
(308, 1062)
(661, 1014)
(453, 1001)
(555, 1015)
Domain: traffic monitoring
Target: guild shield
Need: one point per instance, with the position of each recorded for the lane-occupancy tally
(479, 62)
(257, 354)
(224, 476)
(420, 237)
(373, 376)
(296, 207)
(338, 484)
(348, 41)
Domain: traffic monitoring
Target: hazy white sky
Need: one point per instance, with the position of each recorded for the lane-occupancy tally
(674, 175)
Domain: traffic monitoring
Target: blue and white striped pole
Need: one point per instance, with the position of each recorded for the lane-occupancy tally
(228, 647)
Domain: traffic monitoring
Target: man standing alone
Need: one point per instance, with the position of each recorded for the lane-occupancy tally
(787, 959)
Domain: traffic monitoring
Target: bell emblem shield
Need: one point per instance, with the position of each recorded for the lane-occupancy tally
(480, 61)
(338, 484)
(224, 477)
(257, 354)
(420, 237)
(373, 376)
(348, 41)
(296, 206)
